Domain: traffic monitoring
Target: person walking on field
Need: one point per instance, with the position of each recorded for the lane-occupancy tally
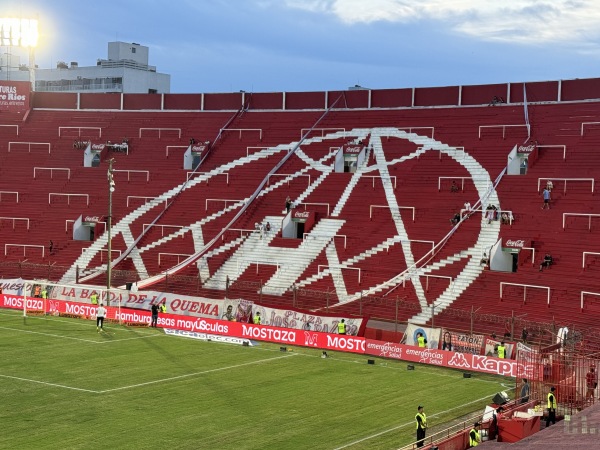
(421, 420)
(100, 315)
(154, 321)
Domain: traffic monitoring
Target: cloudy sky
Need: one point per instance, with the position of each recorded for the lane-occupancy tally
(304, 45)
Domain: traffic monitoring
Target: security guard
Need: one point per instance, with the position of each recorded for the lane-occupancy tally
(474, 436)
(163, 307)
(551, 407)
(94, 298)
(44, 293)
(421, 341)
(257, 318)
(421, 420)
(501, 350)
(342, 327)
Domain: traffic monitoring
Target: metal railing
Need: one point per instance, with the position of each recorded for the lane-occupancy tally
(504, 127)
(176, 146)
(589, 216)
(52, 169)
(14, 219)
(260, 131)
(129, 172)
(29, 144)
(524, 286)
(565, 180)
(316, 204)
(87, 197)
(25, 247)
(99, 129)
(9, 192)
(224, 200)
(17, 126)
(160, 130)
(389, 207)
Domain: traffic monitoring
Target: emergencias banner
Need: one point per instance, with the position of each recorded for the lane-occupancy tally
(304, 338)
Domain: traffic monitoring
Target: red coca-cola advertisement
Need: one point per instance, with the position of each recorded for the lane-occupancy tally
(93, 219)
(15, 96)
(308, 217)
(352, 149)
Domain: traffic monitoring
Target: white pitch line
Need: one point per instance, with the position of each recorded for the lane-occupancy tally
(194, 374)
(49, 384)
(49, 334)
(407, 424)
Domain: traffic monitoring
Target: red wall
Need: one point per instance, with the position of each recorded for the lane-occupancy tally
(543, 91)
(305, 100)
(142, 101)
(350, 99)
(483, 94)
(186, 102)
(54, 100)
(218, 102)
(267, 100)
(100, 101)
(436, 96)
(391, 98)
(580, 89)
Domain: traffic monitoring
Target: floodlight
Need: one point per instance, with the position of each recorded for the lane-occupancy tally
(18, 32)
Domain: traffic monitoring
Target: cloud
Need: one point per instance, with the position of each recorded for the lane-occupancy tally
(512, 21)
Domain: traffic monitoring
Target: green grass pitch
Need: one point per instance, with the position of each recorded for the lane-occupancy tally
(65, 386)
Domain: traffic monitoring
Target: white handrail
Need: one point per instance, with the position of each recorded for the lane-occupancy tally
(532, 253)
(162, 227)
(341, 268)
(326, 236)
(564, 147)
(102, 251)
(14, 219)
(171, 254)
(588, 253)
(225, 200)
(410, 129)
(316, 204)
(29, 144)
(260, 131)
(176, 146)
(288, 175)
(322, 130)
(9, 192)
(241, 230)
(587, 123)
(145, 199)
(189, 175)
(382, 178)
(25, 246)
(525, 286)
(256, 148)
(147, 172)
(159, 131)
(79, 130)
(51, 169)
(87, 197)
(503, 128)
(565, 180)
(389, 207)
(589, 293)
(589, 216)
(426, 275)
(12, 126)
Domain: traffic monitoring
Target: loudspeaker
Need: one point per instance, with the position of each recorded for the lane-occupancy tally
(410, 367)
(500, 398)
(466, 375)
(283, 349)
(370, 361)
(128, 286)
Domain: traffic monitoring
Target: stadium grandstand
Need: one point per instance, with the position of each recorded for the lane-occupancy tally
(465, 212)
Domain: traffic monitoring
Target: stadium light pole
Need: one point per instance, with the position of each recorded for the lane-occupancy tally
(111, 189)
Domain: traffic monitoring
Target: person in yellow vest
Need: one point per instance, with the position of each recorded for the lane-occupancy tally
(474, 436)
(342, 327)
(94, 298)
(421, 426)
(257, 318)
(421, 341)
(551, 407)
(44, 293)
(501, 350)
(163, 307)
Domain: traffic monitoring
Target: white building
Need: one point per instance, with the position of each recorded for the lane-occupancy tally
(126, 70)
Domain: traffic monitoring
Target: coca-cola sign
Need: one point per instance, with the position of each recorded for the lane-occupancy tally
(198, 148)
(98, 147)
(526, 148)
(515, 243)
(93, 219)
(355, 150)
(301, 214)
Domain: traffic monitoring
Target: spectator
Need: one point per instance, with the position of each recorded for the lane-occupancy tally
(421, 341)
(591, 381)
(501, 351)
(490, 214)
(455, 219)
(549, 185)
(484, 260)
(546, 196)
(268, 227)
(288, 204)
(525, 391)
(552, 405)
(546, 262)
(524, 335)
(154, 309)
(467, 206)
(342, 327)
(454, 187)
(50, 247)
(474, 436)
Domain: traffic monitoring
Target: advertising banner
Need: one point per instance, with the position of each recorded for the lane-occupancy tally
(431, 334)
(463, 343)
(15, 96)
(491, 345)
